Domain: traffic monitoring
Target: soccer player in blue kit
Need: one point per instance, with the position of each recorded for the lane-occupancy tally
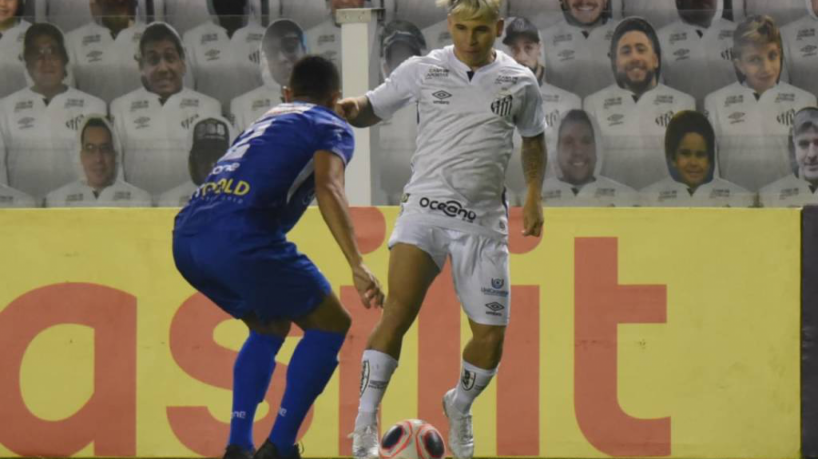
(230, 243)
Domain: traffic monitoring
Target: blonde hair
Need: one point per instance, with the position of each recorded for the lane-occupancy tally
(472, 9)
(757, 30)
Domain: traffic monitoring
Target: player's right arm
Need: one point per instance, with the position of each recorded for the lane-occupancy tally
(358, 111)
(332, 201)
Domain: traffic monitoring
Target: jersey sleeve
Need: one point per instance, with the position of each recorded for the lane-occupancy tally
(336, 136)
(531, 120)
(397, 91)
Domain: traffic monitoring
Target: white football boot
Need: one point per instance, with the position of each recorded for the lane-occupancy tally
(365, 442)
(461, 434)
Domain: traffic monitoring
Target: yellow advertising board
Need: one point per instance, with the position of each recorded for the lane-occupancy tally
(634, 332)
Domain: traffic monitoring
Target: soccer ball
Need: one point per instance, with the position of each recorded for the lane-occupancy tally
(412, 439)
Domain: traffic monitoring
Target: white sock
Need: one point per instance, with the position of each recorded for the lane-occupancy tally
(376, 371)
(472, 382)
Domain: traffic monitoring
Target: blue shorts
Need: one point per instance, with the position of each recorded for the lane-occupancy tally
(244, 275)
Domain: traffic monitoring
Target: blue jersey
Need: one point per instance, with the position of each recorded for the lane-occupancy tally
(265, 181)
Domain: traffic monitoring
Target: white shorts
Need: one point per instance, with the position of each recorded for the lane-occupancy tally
(479, 266)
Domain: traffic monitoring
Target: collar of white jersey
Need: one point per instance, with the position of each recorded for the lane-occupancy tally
(457, 64)
(184, 92)
(776, 87)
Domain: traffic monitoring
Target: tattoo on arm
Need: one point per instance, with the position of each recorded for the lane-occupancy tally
(534, 160)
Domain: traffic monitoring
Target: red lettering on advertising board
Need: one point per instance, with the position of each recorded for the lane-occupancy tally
(601, 305)
(108, 419)
(197, 353)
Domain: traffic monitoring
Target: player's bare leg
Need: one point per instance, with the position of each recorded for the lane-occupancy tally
(411, 272)
(480, 360)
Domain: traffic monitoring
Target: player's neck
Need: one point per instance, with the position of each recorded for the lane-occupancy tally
(49, 93)
(116, 24)
(7, 24)
(474, 67)
(310, 100)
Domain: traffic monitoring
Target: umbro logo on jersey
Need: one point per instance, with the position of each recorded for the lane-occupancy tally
(616, 119)
(809, 51)
(213, 54)
(737, 117)
(441, 97)
(94, 56)
(25, 123)
(566, 55)
(502, 106)
(786, 118)
(142, 122)
(682, 54)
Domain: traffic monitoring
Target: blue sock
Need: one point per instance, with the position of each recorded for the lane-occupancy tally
(311, 368)
(251, 377)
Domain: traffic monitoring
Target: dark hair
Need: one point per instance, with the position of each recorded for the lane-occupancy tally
(575, 116)
(48, 30)
(21, 7)
(97, 122)
(686, 122)
(636, 24)
(314, 77)
(160, 31)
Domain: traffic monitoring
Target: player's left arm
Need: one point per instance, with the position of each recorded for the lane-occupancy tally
(534, 162)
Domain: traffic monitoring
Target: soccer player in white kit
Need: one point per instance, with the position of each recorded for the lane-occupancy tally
(224, 52)
(690, 147)
(522, 39)
(634, 113)
(697, 50)
(210, 139)
(153, 122)
(12, 32)
(579, 159)
(98, 160)
(283, 44)
(752, 118)
(39, 124)
(470, 98)
(801, 187)
(397, 135)
(801, 49)
(576, 47)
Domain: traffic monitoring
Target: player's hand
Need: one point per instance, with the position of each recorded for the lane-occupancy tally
(368, 286)
(348, 108)
(532, 218)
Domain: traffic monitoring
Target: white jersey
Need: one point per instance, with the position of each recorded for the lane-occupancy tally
(716, 193)
(801, 52)
(602, 192)
(658, 12)
(752, 133)
(634, 131)
(155, 137)
(437, 35)
(11, 198)
(391, 162)
(178, 196)
(41, 140)
(465, 134)
(79, 194)
(12, 67)
(556, 103)
(325, 40)
(576, 59)
(105, 66)
(224, 67)
(249, 107)
(695, 60)
(789, 191)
